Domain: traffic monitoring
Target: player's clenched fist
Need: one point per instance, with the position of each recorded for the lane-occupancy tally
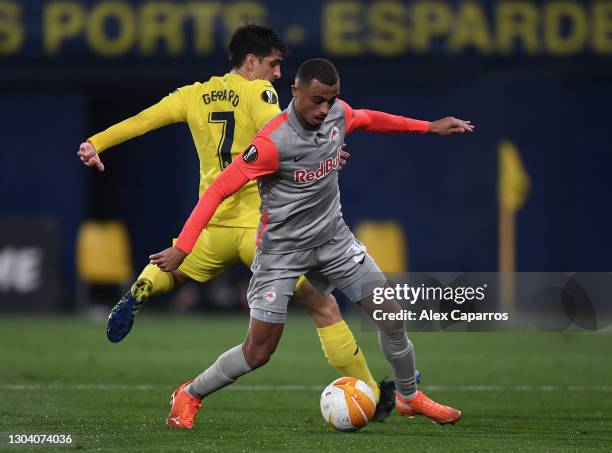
(450, 125)
(168, 260)
(87, 154)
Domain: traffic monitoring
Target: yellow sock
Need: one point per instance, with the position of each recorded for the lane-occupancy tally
(163, 282)
(344, 355)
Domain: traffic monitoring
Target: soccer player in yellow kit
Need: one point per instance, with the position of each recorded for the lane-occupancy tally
(223, 115)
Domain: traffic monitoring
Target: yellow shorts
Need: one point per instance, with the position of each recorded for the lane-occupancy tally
(219, 247)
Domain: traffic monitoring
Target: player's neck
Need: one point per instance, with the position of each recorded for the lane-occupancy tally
(242, 72)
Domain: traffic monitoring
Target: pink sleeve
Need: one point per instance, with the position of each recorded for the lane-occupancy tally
(258, 159)
(373, 121)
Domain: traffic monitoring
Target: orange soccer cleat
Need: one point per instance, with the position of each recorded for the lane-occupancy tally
(184, 409)
(423, 405)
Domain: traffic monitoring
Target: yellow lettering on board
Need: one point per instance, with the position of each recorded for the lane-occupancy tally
(62, 20)
(11, 32)
(97, 36)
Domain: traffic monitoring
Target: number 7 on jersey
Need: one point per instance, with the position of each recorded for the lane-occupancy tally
(224, 150)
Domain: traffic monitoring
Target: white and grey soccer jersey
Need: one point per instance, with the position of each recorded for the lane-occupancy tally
(301, 231)
(300, 201)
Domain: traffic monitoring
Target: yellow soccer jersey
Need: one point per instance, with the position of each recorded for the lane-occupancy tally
(223, 114)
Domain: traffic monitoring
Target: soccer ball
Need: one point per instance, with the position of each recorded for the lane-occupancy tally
(347, 404)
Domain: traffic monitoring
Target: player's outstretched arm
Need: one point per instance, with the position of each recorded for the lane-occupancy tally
(170, 109)
(374, 121)
(88, 155)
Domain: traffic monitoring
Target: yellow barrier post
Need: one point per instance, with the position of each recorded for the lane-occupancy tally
(513, 187)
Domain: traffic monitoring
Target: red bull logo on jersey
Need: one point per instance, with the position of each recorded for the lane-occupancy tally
(325, 168)
(334, 134)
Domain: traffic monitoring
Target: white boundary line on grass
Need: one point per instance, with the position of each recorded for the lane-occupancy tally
(301, 388)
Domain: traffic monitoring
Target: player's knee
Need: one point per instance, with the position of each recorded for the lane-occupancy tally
(261, 342)
(391, 320)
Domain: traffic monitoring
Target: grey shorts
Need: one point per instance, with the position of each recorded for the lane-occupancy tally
(341, 263)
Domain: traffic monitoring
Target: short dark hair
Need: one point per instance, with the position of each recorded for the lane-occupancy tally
(317, 68)
(259, 40)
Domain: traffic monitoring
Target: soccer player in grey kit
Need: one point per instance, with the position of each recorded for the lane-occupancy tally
(301, 232)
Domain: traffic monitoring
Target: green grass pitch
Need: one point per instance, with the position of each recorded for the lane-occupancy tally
(518, 391)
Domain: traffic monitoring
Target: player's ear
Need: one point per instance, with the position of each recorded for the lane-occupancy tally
(295, 90)
(250, 61)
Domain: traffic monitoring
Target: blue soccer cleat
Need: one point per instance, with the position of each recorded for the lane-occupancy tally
(121, 317)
